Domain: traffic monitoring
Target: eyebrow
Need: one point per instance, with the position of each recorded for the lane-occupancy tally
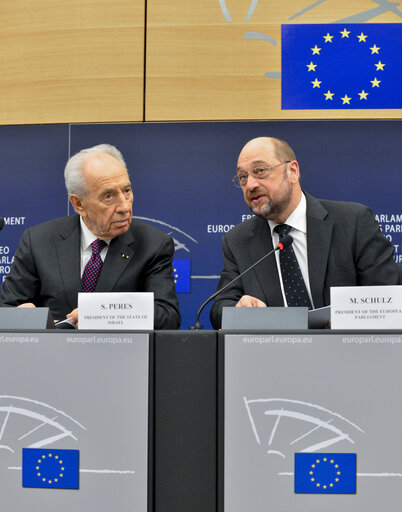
(254, 163)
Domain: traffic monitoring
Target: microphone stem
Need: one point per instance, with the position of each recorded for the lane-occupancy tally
(197, 325)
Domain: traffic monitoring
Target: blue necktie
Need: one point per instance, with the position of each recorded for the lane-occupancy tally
(293, 282)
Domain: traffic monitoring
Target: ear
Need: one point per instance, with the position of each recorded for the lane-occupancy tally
(293, 171)
(77, 203)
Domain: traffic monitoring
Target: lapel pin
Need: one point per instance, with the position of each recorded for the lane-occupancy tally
(126, 256)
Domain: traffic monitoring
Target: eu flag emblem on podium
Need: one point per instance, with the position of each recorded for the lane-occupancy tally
(53, 469)
(325, 473)
(181, 270)
(349, 66)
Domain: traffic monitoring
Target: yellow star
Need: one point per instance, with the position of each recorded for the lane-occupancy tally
(375, 82)
(311, 66)
(324, 486)
(328, 38)
(311, 473)
(324, 459)
(345, 33)
(379, 66)
(331, 485)
(316, 50)
(363, 95)
(328, 95)
(362, 37)
(312, 479)
(374, 49)
(318, 485)
(316, 83)
(336, 479)
(346, 99)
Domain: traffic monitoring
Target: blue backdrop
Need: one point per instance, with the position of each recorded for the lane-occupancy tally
(182, 179)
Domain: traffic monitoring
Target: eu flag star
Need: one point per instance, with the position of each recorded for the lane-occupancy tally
(374, 49)
(311, 66)
(345, 33)
(328, 38)
(328, 95)
(316, 83)
(362, 37)
(346, 99)
(375, 82)
(363, 94)
(315, 50)
(379, 66)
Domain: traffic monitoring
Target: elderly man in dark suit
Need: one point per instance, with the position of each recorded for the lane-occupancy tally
(101, 249)
(334, 243)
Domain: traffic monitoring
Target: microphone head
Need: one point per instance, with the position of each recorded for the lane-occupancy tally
(1, 223)
(285, 241)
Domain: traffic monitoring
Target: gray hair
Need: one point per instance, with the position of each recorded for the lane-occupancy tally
(73, 175)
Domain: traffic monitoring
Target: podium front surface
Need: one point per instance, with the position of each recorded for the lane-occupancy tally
(312, 393)
(75, 391)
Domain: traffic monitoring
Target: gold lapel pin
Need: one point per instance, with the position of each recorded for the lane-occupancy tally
(126, 256)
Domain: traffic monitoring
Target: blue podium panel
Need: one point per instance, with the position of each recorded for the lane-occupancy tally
(313, 422)
(74, 421)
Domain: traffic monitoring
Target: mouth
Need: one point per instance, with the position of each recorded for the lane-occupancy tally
(121, 223)
(257, 199)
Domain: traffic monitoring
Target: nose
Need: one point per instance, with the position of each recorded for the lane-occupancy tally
(252, 183)
(124, 203)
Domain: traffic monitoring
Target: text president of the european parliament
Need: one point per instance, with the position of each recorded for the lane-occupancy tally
(335, 243)
(100, 249)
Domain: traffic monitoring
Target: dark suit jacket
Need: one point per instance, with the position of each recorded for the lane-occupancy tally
(46, 269)
(345, 248)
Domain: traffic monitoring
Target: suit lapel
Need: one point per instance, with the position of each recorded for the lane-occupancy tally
(319, 232)
(68, 255)
(118, 257)
(259, 244)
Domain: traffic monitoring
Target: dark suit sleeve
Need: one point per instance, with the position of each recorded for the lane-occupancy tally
(375, 261)
(233, 294)
(22, 283)
(159, 279)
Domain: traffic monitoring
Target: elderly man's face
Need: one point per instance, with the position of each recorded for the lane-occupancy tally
(107, 207)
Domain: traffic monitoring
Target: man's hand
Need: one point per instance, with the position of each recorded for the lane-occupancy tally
(73, 316)
(27, 305)
(247, 301)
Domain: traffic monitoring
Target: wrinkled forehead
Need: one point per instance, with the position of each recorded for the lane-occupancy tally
(103, 168)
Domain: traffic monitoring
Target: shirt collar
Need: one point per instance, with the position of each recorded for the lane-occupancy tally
(297, 219)
(87, 237)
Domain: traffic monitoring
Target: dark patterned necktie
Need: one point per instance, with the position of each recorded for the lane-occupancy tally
(93, 267)
(293, 282)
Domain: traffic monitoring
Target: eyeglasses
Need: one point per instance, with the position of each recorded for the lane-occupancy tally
(259, 173)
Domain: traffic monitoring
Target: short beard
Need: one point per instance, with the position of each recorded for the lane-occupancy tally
(271, 210)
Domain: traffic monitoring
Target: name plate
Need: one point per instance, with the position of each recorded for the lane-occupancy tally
(114, 310)
(366, 307)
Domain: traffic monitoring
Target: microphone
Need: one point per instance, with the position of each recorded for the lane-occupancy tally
(1, 223)
(283, 243)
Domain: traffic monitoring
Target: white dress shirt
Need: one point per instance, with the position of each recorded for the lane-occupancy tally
(298, 221)
(87, 237)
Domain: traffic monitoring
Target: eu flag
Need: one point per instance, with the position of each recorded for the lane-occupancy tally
(342, 66)
(325, 473)
(56, 469)
(181, 270)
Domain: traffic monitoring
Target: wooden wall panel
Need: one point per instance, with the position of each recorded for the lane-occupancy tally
(201, 67)
(71, 61)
